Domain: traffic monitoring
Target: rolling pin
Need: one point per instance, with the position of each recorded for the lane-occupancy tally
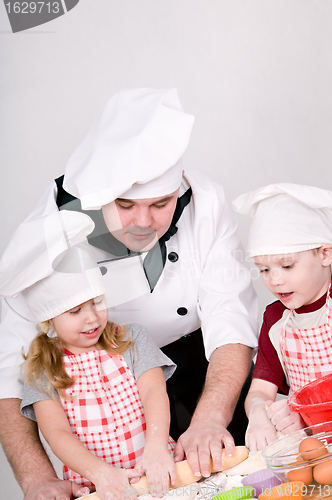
(184, 475)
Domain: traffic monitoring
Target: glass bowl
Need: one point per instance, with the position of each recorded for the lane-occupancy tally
(284, 459)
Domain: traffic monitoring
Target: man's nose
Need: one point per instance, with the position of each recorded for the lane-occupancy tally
(142, 217)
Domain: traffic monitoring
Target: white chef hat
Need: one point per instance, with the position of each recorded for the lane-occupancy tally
(287, 218)
(49, 260)
(133, 149)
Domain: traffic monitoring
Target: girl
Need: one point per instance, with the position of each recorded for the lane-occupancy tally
(97, 390)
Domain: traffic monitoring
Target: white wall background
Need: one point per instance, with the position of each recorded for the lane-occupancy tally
(257, 75)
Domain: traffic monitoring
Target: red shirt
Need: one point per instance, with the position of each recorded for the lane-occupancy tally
(268, 366)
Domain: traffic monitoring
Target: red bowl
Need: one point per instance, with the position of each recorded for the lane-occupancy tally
(314, 401)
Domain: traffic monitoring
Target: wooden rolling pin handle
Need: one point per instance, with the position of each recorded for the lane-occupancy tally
(184, 475)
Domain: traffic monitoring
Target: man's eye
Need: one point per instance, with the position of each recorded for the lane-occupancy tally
(161, 206)
(125, 207)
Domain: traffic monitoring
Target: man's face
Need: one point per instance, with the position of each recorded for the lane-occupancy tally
(139, 223)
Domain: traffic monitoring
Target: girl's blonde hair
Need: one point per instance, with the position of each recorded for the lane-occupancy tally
(44, 358)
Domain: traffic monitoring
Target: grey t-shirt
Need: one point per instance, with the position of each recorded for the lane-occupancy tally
(142, 357)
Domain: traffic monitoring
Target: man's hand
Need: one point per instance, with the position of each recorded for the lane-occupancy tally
(283, 419)
(201, 441)
(55, 489)
(31, 466)
(207, 434)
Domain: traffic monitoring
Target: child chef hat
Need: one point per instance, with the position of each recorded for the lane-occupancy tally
(287, 218)
(132, 150)
(49, 260)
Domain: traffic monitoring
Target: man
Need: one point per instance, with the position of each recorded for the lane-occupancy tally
(167, 247)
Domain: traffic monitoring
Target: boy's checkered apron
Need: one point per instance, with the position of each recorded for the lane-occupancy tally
(104, 410)
(307, 352)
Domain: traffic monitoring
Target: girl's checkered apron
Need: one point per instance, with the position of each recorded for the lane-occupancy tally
(104, 410)
(307, 352)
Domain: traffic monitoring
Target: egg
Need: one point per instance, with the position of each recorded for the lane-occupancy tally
(311, 448)
(323, 472)
(300, 474)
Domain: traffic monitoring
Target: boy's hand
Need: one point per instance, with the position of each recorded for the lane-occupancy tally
(260, 431)
(112, 483)
(283, 419)
(159, 468)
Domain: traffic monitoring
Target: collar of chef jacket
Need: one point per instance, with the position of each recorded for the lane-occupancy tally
(155, 259)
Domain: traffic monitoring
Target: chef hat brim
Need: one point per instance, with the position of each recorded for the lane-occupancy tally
(50, 261)
(287, 218)
(141, 134)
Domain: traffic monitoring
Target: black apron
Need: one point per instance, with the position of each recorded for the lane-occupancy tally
(186, 385)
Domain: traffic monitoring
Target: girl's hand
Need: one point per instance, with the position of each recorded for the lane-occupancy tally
(159, 468)
(260, 431)
(112, 483)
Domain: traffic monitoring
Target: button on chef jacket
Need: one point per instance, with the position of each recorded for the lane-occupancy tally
(208, 280)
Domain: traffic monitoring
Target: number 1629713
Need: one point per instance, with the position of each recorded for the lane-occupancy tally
(32, 7)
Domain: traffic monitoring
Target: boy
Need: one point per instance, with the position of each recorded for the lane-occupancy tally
(290, 240)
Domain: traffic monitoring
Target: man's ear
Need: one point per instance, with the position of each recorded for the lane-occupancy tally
(326, 254)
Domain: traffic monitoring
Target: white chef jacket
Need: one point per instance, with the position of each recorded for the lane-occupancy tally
(208, 286)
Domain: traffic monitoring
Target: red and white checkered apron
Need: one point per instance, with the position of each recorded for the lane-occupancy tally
(104, 410)
(307, 352)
